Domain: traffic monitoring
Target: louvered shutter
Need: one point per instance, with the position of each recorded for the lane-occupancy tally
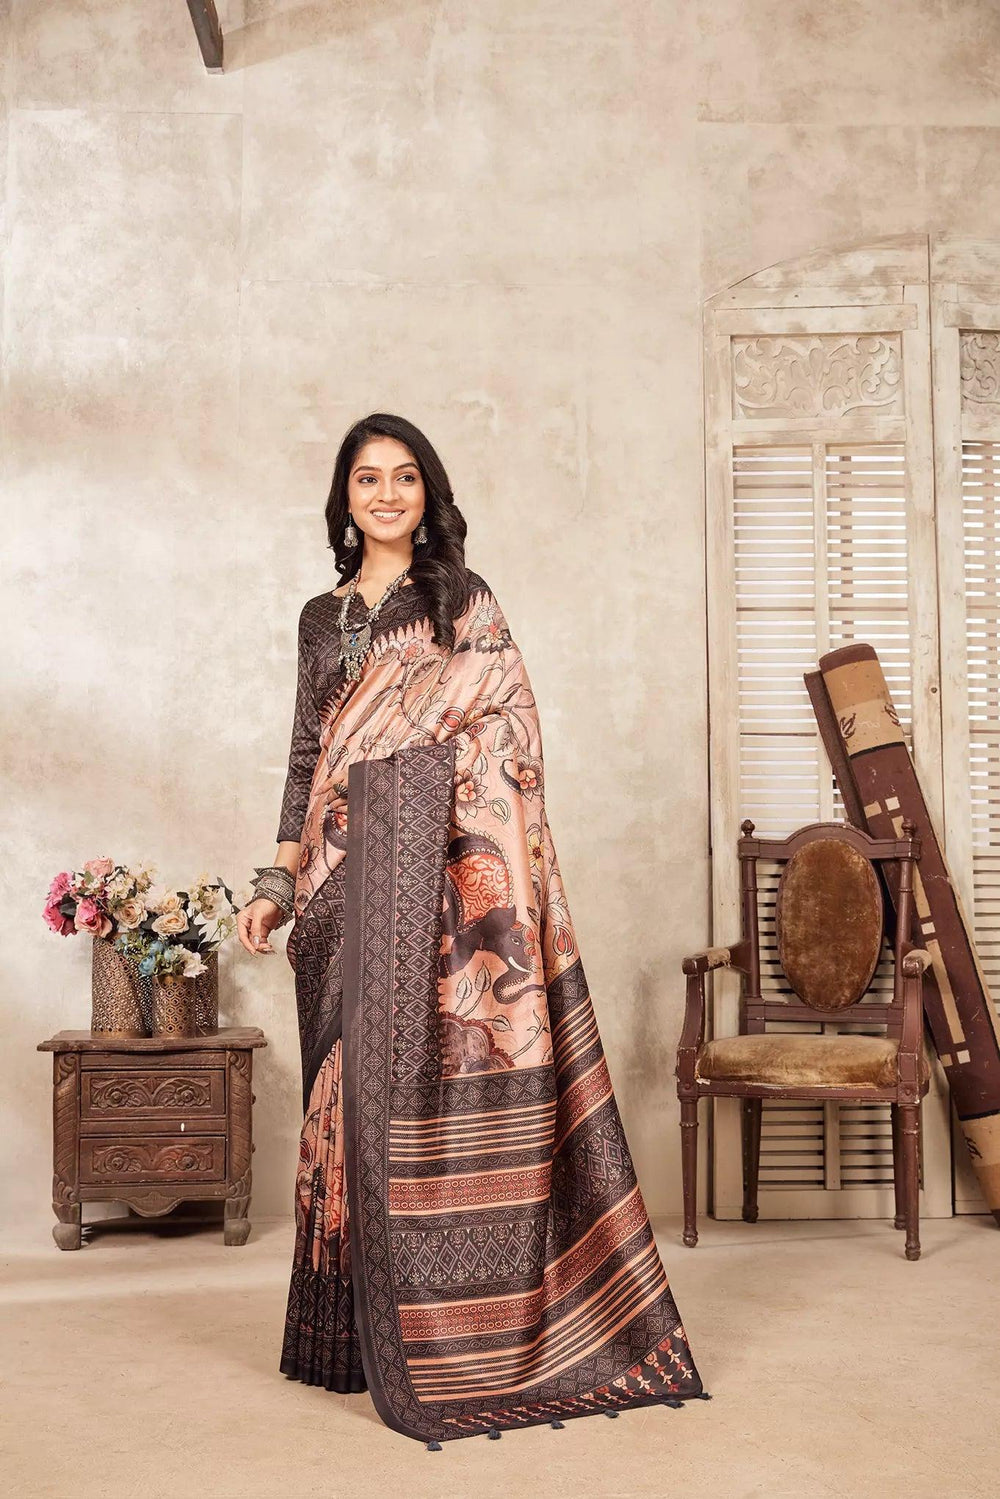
(820, 531)
(966, 326)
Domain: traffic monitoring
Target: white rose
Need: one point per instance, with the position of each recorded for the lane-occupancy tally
(129, 913)
(194, 964)
(171, 923)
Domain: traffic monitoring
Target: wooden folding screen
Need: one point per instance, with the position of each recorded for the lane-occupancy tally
(821, 530)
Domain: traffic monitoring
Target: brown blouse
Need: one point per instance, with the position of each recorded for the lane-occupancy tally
(319, 677)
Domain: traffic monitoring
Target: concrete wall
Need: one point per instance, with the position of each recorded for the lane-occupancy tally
(500, 219)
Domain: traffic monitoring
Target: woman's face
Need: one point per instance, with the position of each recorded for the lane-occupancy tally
(385, 490)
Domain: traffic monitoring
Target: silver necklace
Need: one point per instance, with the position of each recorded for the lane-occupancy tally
(355, 639)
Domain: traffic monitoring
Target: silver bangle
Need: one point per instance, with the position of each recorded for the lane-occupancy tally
(275, 884)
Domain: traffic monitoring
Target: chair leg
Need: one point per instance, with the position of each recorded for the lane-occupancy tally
(897, 1167)
(910, 1147)
(751, 1156)
(689, 1168)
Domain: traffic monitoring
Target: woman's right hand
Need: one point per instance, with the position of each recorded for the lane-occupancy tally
(256, 922)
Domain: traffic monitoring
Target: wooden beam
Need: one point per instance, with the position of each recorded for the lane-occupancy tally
(208, 32)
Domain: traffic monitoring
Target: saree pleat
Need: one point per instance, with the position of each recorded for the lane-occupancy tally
(496, 1267)
(321, 1345)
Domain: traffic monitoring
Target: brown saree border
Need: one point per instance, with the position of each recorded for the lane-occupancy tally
(369, 956)
(399, 816)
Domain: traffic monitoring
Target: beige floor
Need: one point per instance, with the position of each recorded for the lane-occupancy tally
(144, 1365)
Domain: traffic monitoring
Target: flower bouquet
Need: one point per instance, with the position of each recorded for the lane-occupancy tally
(105, 900)
(178, 941)
(146, 938)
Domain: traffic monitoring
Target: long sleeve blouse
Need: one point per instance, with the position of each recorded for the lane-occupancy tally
(304, 748)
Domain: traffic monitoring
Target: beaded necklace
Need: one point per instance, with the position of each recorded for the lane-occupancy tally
(355, 640)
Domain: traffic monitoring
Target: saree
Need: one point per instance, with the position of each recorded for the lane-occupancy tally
(471, 1243)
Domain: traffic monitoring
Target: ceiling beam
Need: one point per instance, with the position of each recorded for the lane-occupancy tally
(208, 32)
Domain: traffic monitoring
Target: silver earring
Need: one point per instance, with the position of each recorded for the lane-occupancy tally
(420, 535)
(351, 534)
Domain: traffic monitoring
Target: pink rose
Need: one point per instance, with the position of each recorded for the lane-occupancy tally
(59, 886)
(56, 920)
(99, 868)
(90, 919)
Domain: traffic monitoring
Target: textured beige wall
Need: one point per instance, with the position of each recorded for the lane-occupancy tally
(498, 218)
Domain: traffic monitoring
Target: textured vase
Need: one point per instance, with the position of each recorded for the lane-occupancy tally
(206, 996)
(173, 1005)
(116, 1010)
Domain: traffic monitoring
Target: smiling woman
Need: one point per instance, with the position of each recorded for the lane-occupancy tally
(386, 465)
(472, 1245)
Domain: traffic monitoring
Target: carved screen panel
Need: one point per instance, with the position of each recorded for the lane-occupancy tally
(820, 532)
(823, 377)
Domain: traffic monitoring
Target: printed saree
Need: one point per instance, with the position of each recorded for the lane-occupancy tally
(471, 1242)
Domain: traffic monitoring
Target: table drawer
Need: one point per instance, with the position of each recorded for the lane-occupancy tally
(142, 1093)
(180, 1158)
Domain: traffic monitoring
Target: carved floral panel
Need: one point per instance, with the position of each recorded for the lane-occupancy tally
(979, 368)
(147, 1160)
(824, 375)
(119, 1095)
(151, 1092)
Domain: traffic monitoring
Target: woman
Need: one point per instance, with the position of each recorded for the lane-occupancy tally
(471, 1242)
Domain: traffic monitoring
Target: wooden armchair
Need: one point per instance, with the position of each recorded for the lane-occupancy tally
(830, 922)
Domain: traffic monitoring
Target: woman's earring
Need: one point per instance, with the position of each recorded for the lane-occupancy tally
(420, 535)
(351, 534)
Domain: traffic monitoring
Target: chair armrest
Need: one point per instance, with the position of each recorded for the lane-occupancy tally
(693, 1032)
(733, 956)
(916, 962)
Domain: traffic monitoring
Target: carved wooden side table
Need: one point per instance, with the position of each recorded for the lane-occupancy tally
(152, 1122)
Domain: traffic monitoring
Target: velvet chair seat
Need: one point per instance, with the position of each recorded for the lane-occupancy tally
(803, 1061)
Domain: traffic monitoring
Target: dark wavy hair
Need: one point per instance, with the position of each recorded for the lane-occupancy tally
(438, 566)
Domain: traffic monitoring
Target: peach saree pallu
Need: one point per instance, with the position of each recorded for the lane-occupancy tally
(472, 1245)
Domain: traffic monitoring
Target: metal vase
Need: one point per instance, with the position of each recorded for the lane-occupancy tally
(116, 1009)
(206, 996)
(173, 1005)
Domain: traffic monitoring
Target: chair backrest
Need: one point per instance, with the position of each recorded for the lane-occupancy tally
(830, 921)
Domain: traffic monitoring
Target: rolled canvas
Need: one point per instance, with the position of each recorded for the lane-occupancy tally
(867, 749)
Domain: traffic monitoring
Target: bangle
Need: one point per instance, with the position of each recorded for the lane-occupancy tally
(276, 884)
